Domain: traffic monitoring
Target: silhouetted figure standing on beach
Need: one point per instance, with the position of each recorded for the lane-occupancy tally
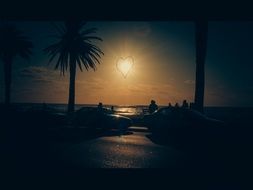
(176, 105)
(185, 104)
(100, 115)
(100, 107)
(152, 107)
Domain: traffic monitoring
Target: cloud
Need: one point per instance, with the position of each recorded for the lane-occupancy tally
(39, 74)
(32, 72)
(36, 83)
(42, 81)
(190, 82)
(91, 84)
(142, 30)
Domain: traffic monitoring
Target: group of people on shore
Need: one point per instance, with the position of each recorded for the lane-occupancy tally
(153, 106)
(184, 105)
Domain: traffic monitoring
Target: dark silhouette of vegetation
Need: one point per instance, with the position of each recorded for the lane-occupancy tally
(74, 48)
(201, 45)
(12, 43)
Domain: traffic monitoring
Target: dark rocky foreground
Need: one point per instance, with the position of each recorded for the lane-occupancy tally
(31, 146)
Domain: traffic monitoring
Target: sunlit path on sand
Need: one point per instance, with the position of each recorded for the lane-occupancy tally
(133, 150)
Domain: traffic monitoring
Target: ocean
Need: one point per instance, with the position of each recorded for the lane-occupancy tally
(119, 109)
(222, 113)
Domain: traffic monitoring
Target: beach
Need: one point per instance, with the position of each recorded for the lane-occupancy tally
(35, 144)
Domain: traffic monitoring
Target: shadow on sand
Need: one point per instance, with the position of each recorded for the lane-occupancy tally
(224, 153)
(41, 127)
(78, 135)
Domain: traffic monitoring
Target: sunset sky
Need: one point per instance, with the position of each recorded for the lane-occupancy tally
(163, 68)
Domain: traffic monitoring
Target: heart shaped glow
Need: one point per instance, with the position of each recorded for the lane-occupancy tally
(124, 65)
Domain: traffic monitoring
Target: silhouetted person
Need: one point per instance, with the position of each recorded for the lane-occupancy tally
(100, 107)
(176, 105)
(185, 104)
(152, 107)
(100, 114)
(112, 108)
(169, 105)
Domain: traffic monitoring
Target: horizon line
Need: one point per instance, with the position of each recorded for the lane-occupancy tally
(77, 104)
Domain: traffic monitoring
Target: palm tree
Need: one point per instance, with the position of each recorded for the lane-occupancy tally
(74, 48)
(201, 46)
(12, 43)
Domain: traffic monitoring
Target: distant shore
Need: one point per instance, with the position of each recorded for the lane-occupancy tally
(228, 114)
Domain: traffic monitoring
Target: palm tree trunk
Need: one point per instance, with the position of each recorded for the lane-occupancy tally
(72, 72)
(201, 45)
(7, 80)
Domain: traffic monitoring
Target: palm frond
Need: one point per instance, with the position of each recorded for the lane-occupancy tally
(60, 29)
(13, 42)
(88, 31)
(75, 42)
(79, 62)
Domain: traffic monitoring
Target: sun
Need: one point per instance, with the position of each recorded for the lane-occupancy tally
(124, 65)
